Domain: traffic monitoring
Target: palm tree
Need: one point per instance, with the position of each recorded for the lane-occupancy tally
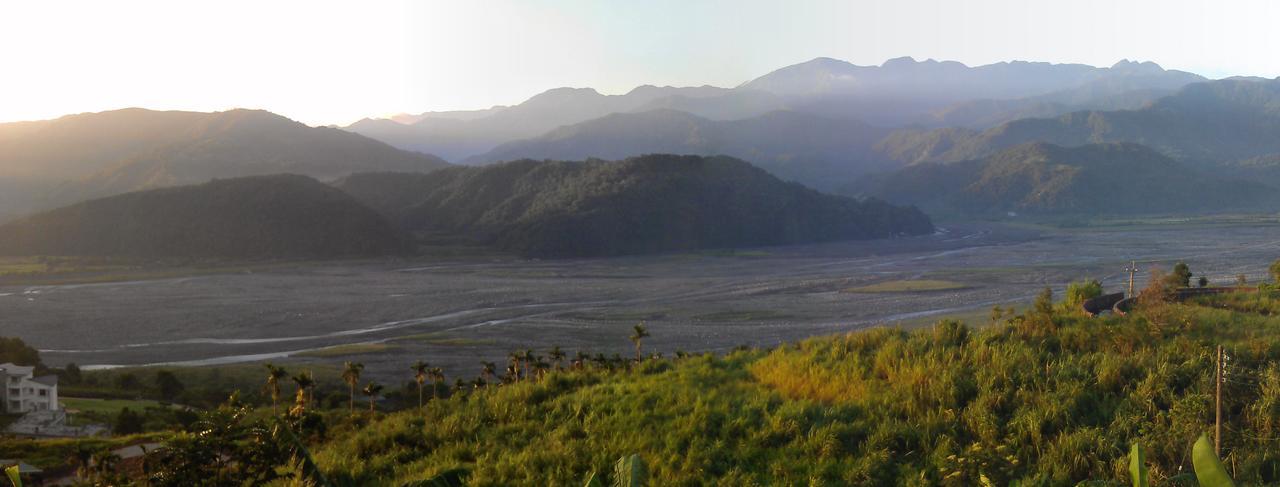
(579, 360)
(639, 334)
(420, 376)
(557, 355)
(437, 377)
(540, 368)
(487, 369)
(459, 385)
(351, 375)
(527, 358)
(304, 382)
(372, 389)
(513, 359)
(274, 374)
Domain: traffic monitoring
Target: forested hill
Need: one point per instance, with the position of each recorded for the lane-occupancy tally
(648, 204)
(1213, 122)
(1045, 178)
(283, 216)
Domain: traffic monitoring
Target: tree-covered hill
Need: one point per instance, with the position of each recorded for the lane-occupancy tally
(283, 216)
(1043, 178)
(1211, 122)
(656, 203)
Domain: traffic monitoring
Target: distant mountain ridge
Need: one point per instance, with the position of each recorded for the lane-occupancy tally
(1042, 178)
(281, 216)
(897, 93)
(77, 157)
(791, 145)
(657, 203)
(1202, 124)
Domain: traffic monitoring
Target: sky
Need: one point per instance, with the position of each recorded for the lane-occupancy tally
(323, 62)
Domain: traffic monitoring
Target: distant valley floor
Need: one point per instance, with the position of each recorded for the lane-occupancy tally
(455, 313)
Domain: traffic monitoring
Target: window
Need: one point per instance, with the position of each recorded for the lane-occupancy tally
(43, 393)
(14, 391)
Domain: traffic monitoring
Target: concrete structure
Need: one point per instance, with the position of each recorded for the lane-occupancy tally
(23, 392)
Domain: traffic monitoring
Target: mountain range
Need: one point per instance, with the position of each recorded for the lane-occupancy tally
(1042, 178)
(901, 92)
(78, 157)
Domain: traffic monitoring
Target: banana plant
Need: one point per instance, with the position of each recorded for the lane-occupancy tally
(629, 471)
(1209, 470)
(1138, 466)
(449, 478)
(14, 477)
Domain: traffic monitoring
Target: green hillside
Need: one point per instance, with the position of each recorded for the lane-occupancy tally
(1046, 397)
(1048, 179)
(657, 203)
(282, 216)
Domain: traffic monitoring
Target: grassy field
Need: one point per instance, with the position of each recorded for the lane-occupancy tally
(1038, 398)
(908, 286)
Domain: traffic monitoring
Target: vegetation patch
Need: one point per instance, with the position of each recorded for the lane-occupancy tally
(909, 286)
(744, 315)
(352, 349)
(443, 340)
(617, 316)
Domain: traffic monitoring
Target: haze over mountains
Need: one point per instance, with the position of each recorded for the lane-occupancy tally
(898, 93)
(1042, 178)
(77, 157)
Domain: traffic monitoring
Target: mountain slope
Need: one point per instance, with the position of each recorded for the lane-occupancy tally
(283, 216)
(658, 203)
(813, 150)
(99, 154)
(1213, 122)
(1045, 178)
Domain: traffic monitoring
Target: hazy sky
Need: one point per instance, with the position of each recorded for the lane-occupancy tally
(334, 62)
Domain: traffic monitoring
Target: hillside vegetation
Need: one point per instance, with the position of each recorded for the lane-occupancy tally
(1047, 397)
(657, 203)
(283, 216)
(1043, 178)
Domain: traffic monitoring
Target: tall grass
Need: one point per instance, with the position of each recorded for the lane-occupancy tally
(1047, 398)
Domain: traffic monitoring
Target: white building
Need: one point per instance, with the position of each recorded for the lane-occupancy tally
(23, 392)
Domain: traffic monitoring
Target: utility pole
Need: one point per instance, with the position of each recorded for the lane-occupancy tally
(1217, 406)
(1132, 269)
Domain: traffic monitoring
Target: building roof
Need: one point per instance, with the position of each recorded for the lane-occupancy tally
(48, 380)
(14, 369)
